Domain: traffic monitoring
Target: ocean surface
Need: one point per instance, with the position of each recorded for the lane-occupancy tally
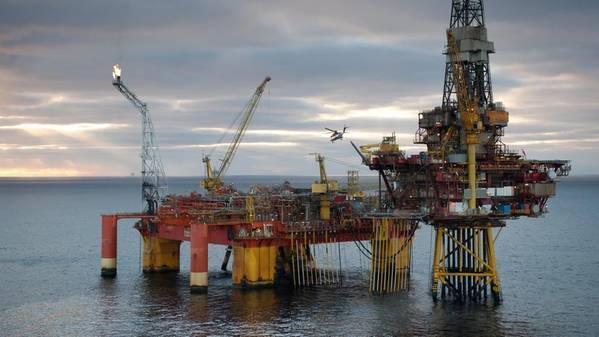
(50, 275)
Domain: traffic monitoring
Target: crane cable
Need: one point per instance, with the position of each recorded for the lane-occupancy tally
(343, 163)
(227, 131)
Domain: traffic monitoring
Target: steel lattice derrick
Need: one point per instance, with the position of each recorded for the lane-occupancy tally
(467, 13)
(467, 63)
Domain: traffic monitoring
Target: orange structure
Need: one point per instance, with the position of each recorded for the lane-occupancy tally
(281, 250)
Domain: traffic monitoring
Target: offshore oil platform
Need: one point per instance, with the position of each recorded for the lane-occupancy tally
(466, 185)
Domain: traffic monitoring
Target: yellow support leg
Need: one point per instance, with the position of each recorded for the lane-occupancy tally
(254, 266)
(160, 255)
(437, 262)
(495, 286)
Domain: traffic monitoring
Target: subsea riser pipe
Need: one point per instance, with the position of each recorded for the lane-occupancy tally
(198, 277)
(108, 246)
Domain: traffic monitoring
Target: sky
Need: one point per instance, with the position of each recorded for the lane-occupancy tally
(372, 65)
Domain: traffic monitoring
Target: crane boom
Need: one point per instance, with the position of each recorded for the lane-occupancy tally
(154, 185)
(213, 179)
(468, 108)
(323, 173)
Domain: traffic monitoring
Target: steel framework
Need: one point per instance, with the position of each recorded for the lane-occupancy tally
(467, 16)
(153, 186)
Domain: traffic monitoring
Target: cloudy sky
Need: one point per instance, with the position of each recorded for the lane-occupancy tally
(372, 65)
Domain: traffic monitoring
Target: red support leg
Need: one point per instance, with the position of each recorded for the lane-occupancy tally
(108, 255)
(199, 258)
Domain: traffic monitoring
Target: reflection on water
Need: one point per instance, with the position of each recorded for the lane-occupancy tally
(254, 306)
(468, 318)
(50, 282)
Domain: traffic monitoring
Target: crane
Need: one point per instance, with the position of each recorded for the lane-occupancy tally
(153, 186)
(323, 173)
(213, 179)
(323, 187)
(468, 109)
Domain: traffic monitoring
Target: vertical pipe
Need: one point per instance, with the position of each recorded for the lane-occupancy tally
(308, 253)
(339, 275)
(373, 260)
(451, 262)
(394, 258)
(408, 270)
(299, 259)
(445, 241)
(471, 263)
(480, 266)
(458, 235)
(330, 272)
(456, 262)
(467, 241)
(391, 256)
(387, 257)
(436, 257)
(108, 251)
(475, 265)
(374, 271)
(400, 242)
(298, 262)
(383, 241)
(317, 247)
(486, 259)
(334, 276)
(380, 260)
(411, 256)
(199, 258)
(334, 263)
(293, 252)
(371, 264)
(396, 245)
(468, 266)
(461, 256)
(405, 244)
(305, 261)
(326, 261)
(462, 262)
(454, 255)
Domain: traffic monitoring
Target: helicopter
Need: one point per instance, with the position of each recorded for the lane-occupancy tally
(337, 135)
